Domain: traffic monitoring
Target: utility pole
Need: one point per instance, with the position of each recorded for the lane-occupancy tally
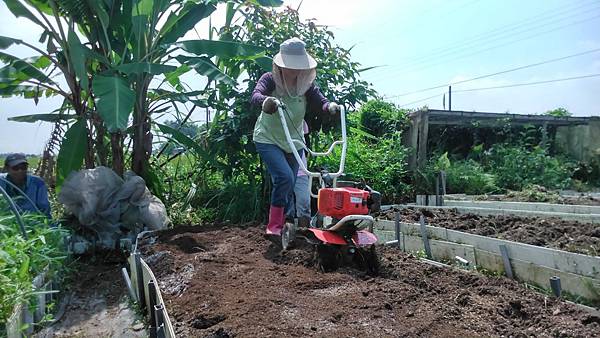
(450, 98)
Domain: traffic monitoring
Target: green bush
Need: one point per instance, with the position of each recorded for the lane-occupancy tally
(469, 177)
(462, 176)
(378, 117)
(586, 174)
(559, 112)
(517, 167)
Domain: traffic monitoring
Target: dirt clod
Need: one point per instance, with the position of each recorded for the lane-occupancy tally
(204, 322)
(220, 333)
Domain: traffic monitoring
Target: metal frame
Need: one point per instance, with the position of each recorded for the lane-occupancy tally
(147, 291)
(344, 142)
(292, 143)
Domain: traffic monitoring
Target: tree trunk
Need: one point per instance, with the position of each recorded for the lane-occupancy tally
(101, 149)
(140, 154)
(116, 142)
(142, 137)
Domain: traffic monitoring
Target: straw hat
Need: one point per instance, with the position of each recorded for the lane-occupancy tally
(292, 55)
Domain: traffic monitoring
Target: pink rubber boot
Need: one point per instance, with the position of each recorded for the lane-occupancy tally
(276, 220)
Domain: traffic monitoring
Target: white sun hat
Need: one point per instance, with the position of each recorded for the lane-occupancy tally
(292, 55)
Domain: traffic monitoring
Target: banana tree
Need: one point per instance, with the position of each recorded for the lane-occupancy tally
(40, 75)
(109, 53)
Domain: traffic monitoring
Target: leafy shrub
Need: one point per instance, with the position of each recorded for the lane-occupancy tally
(211, 197)
(181, 214)
(517, 167)
(379, 117)
(587, 173)
(463, 176)
(469, 177)
(558, 112)
(501, 168)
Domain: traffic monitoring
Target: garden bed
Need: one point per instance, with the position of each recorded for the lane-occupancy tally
(554, 233)
(222, 282)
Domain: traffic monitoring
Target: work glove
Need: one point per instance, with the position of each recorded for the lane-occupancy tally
(269, 105)
(334, 108)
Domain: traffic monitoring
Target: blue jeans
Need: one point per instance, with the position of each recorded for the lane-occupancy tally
(302, 194)
(282, 168)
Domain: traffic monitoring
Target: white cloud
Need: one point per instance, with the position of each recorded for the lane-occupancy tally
(336, 13)
(339, 14)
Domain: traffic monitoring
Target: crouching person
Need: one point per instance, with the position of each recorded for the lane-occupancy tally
(28, 191)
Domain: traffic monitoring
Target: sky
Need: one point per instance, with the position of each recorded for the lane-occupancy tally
(418, 45)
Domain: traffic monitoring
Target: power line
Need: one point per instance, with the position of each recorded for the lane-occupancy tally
(504, 86)
(498, 31)
(527, 83)
(491, 48)
(498, 73)
(507, 28)
(420, 100)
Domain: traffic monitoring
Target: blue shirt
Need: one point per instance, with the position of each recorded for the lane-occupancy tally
(35, 189)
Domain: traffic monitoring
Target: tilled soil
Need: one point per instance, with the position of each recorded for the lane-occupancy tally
(226, 282)
(553, 232)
